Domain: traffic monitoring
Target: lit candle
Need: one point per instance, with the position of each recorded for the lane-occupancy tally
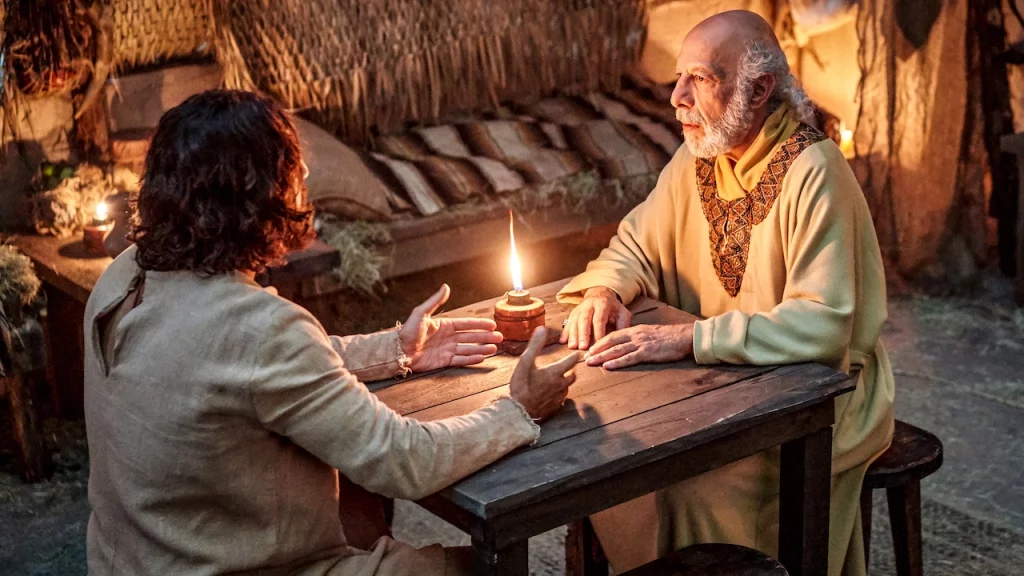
(518, 314)
(846, 141)
(517, 273)
(94, 233)
(101, 214)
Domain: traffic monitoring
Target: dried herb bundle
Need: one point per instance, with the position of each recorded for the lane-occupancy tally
(47, 45)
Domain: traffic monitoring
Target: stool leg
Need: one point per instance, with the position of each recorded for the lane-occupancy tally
(865, 519)
(905, 516)
(583, 553)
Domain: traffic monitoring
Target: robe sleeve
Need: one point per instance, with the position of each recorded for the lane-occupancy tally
(301, 390)
(814, 320)
(370, 357)
(630, 265)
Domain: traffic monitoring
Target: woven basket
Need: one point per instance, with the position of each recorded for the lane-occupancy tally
(148, 32)
(357, 65)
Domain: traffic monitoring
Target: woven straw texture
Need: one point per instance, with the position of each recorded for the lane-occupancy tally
(353, 66)
(152, 31)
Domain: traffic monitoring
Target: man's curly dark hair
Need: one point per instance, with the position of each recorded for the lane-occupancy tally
(222, 188)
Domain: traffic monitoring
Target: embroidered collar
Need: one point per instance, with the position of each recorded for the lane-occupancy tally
(730, 222)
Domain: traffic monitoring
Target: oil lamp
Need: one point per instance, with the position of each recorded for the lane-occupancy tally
(517, 314)
(94, 232)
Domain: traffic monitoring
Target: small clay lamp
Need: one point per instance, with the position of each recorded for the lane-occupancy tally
(119, 206)
(94, 232)
(517, 314)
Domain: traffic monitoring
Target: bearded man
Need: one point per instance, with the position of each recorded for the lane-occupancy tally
(759, 226)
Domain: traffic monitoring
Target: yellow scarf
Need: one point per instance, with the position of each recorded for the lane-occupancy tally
(735, 180)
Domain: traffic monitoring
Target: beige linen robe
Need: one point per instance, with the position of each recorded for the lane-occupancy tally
(813, 289)
(216, 429)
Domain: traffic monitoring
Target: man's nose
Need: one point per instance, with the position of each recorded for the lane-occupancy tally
(682, 95)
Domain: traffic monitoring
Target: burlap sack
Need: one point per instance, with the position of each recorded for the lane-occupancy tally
(339, 182)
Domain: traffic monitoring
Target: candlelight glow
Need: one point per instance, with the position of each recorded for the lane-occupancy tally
(101, 211)
(517, 274)
(846, 140)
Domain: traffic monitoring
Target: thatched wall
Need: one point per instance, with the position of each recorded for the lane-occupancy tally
(149, 32)
(357, 65)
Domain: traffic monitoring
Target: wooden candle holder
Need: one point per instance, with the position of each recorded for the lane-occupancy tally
(517, 316)
(92, 237)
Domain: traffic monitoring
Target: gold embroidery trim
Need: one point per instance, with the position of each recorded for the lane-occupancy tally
(730, 222)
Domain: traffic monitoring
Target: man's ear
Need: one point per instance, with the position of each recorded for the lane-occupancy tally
(764, 86)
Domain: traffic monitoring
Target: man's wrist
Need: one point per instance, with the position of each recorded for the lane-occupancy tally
(596, 290)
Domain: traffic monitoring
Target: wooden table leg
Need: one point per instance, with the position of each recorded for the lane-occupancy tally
(512, 560)
(583, 553)
(65, 341)
(805, 486)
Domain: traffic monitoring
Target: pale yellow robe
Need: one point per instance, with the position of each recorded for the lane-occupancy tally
(813, 289)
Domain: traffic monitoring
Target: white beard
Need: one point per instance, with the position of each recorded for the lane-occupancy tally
(724, 134)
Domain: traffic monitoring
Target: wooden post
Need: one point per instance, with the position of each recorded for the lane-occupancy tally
(986, 33)
(1014, 144)
(33, 459)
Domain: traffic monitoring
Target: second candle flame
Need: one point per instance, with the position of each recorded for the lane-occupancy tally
(517, 274)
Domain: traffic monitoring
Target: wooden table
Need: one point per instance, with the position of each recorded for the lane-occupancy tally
(626, 433)
(69, 274)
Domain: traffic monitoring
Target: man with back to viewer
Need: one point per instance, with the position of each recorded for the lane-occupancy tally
(758, 225)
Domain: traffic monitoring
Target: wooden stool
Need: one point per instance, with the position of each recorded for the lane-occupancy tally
(712, 560)
(584, 557)
(914, 454)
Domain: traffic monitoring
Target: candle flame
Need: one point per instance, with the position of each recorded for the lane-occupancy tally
(101, 211)
(517, 274)
(846, 140)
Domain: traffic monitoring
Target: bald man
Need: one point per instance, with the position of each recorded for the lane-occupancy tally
(759, 226)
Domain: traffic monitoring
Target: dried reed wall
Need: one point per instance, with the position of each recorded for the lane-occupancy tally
(148, 32)
(353, 66)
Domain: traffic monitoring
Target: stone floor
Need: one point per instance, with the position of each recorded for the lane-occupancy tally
(959, 366)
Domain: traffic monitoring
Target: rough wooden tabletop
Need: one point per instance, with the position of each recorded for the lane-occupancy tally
(612, 420)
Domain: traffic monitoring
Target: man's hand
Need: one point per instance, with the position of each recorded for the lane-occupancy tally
(542, 390)
(644, 343)
(600, 307)
(433, 343)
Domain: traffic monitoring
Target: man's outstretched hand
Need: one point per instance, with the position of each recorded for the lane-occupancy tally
(542, 390)
(434, 343)
(640, 344)
(588, 322)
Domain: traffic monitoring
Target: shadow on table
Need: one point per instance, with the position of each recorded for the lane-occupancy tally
(76, 250)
